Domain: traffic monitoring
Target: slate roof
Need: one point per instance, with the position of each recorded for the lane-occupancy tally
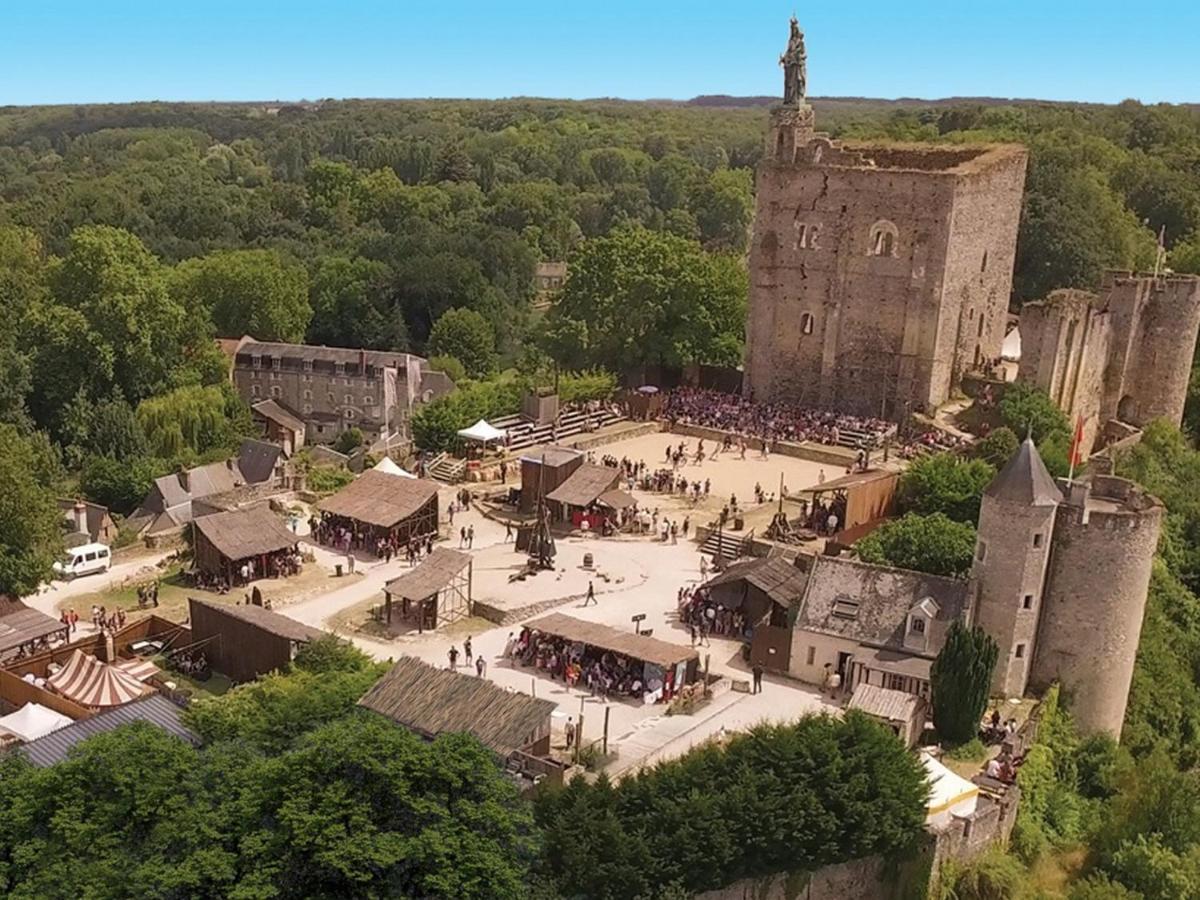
(585, 485)
(243, 533)
(155, 709)
(1025, 480)
(884, 703)
(256, 460)
(433, 574)
(266, 619)
(884, 596)
(95, 515)
(775, 577)
(377, 358)
(635, 646)
(433, 701)
(378, 498)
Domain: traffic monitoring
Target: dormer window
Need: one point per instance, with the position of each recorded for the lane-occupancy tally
(916, 624)
(256, 361)
(306, 365)
(276, 363)
(806, 323)
(339, 368)
(845, 609)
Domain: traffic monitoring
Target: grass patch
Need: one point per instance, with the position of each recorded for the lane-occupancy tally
(972, 751)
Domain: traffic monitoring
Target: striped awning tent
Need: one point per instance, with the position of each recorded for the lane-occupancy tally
(141, 669)
(89, 682)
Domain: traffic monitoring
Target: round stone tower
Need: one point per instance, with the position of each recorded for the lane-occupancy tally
(1105, 535)
(1016, 521)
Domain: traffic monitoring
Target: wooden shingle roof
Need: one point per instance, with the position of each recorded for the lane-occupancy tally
(433, 701)
(377, 498)
(242, 533)
(432, 575)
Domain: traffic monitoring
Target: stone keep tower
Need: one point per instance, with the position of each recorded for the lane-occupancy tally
(1016, 520)
(878, 272)
(1105, 535)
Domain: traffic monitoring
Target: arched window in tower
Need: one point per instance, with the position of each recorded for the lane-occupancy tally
(885, 239)
(806, 323)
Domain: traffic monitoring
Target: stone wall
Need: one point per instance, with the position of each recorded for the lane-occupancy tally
(872, 268)
(1103, 548)
(810, 450)
(870, 878)
(1064, 352)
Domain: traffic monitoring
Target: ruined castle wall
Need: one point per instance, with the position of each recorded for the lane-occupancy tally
(1064, 352)
(1095, 598)
(829, 323)
(979, 264)
(1155, 326)
(1014, 542)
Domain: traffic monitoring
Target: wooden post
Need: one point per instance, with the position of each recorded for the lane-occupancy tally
(707, 656)
(579, 731)
(607, 710)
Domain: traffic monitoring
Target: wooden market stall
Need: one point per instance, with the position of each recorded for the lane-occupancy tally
(437, 592)
(223, 542)
(671, 665)
(544, 470)
(378, 505)
(572, 499)
(856, 498)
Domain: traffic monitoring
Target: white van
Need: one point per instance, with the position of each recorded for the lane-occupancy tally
(86, 559)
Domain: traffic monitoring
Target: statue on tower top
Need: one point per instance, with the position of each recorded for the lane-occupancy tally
(795, 68)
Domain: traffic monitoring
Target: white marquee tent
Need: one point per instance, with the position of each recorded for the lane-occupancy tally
(386, 465)
(950, 794)
(32, 721)
(483, 432)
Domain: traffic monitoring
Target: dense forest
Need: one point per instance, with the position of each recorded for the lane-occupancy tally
(131, 235)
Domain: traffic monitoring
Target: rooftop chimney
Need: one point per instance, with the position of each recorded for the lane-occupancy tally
(185, 480)
(80, 511)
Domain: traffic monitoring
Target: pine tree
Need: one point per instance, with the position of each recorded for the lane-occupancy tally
(959, 679)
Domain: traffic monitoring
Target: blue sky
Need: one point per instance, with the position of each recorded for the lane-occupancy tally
(73, 51)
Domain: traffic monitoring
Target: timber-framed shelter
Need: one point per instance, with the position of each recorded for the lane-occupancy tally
(378, 505)
(437, 592)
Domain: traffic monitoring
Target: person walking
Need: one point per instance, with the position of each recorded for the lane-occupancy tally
(591, 595)
(453, 654)
(507, 531)
(462, 537)
(570, 732)
(467, 649)
(470, 536)
(503, 472)
(757, 671)
(480, 667)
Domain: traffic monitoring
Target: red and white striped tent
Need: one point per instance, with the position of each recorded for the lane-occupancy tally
(141, 669)
(89, 682)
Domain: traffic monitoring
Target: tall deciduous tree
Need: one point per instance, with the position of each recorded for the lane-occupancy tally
(30, 523)
(467, 336)
(959, 681)
(934, 544)
(945, 483)
(252, 292)
(648, 298)
(351, 306)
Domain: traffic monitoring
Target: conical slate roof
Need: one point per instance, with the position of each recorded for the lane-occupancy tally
(1024, 480)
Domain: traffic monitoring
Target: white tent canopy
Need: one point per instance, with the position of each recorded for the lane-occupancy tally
(32, 721)
(386, 465)
(950, 794)
(483, 432)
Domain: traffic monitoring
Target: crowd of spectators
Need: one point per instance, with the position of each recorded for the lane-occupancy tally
(767, 421)
(603, 672)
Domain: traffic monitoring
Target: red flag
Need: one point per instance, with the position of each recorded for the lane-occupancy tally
(1077, 443)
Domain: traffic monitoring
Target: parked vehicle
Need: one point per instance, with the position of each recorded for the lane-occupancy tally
(86, 559)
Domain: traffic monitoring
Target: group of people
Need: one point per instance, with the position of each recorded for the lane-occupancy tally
(603, 672)
(703, 616)
(414, 548)
(776, 421)
(826, 516)
(468, 652)
(106, 621)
